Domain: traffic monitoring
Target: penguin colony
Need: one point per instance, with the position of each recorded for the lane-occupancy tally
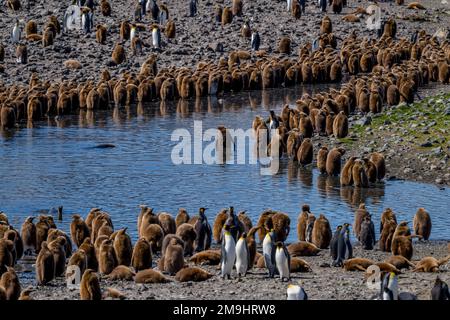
(96, 250)
(382, 72)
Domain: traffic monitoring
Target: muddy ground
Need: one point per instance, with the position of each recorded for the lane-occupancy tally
(324, 282)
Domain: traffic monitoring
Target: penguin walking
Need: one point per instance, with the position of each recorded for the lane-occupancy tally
(193, 8)
(156, 37)
(203, 230)
(228, 253)
(16, 33)
(242, 255)
(344, 246)
(283, 261)
(269, 252)
(255, 42)
(296, 292)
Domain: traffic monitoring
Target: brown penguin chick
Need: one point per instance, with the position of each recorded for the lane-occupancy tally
(329, 121)
(142, 255)
(90, 286)
(31, 27)
(78, 261)
(182, 217)
(167, 223)
(194, 274)
(173, 257)
(357, 264)
(265, 217)
(360, 214)
(57, 248)
(6, 255)
(340, 125)
(220, 220)
(10, 282)
(124, 30)
(236, 7)
(386, 235)
(146, 217)
(170, 29)
(154, 234)
(28, 234)
(113, 294)
(25, 294)
(166, 241)
(281, 225)
(98, 242)
(399, 262)
(100, 34)
(227, 16)
(322, 159)
(207, 257)
(118, 54)
(359, 176)
(45, 265)
(302, 222)
(303, 248)
(187, 233)
(387, 216)
(333, 163)
(346, 178)
(107, 260)
(402, 246)
(305, 125)
(444, 72)
(78, 230)
(22, 54)
(321, 234)
(402, 229)
(251, 244)
(123, 247)
(299, 265)
(393, 95)
(150, 276)
(284, 46)
(105, 8)
(261, 263)
(91, 254)
(42, 227)
(53, 234)
(416, 6)
(245, 221)
(101, 225)
(3, 218)
(430, 264)
(47, 38)
(94, 212)
(305, 153)
(122, 273)
(326, 26)
(422, 223)
(350, 18)
(371, 170)
(2, 294)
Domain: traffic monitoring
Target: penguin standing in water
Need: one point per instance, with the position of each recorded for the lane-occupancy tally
(334, 242)
(242, 255)
(344, 246)
(255, 40)
(269, 252)
(156, 37)
(274, 123)
(16, 33)
(296, 292)
(203, 230)
(283, 261)
(228, 253)
(193, 8)
(440, 290)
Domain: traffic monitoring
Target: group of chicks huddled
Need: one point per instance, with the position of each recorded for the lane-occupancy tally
(110, 253)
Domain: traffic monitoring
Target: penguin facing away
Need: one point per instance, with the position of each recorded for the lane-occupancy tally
(204, 231)
(228, 253)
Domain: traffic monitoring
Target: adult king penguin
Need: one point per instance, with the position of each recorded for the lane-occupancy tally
(228, 253)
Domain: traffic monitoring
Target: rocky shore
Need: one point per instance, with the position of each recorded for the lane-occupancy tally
(322, 283)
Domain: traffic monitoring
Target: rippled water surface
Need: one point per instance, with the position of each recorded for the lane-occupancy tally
(55, 163)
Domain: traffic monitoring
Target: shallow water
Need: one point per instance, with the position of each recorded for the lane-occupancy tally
(56, 163)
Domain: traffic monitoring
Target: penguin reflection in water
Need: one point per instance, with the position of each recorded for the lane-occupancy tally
(228, 253)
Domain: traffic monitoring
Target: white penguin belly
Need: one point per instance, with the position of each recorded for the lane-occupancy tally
(241, 257)
(230, 249)
(282, 264)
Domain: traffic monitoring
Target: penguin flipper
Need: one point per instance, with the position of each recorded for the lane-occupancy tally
(223, 255)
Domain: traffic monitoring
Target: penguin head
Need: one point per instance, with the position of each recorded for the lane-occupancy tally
(306, 208)
(202, 210)
(227, 228)
(339, 228)
(244, 235)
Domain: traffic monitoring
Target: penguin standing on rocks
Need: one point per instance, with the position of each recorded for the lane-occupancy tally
(440, 290)
(152, 6)
(233, 222)
(133, 32)
(242, 256)
(255, 40)
(344, 247)
(143, 4)
(87, 20)
(323, 5)
(22, 54)
(296, 292)
(288, 5)
(283, 261)
(156, 37)
(203, 230)
(228, 253)
(269, 252)
(193, 8)
(16, 33)
(389, 289)
(334, 242)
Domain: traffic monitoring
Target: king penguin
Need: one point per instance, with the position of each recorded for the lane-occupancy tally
(255, 40)
(283, 261)
(269, 252)
(242, 255)
(16, 33)
(296, 292)
(333, 243)
(203, 230)
(156, 37)
(133, 32)
(440, 290)
(344, 246)
(389, 289)
(228, 253)
(193, 8)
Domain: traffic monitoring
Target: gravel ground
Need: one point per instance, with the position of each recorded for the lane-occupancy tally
(323, 282)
